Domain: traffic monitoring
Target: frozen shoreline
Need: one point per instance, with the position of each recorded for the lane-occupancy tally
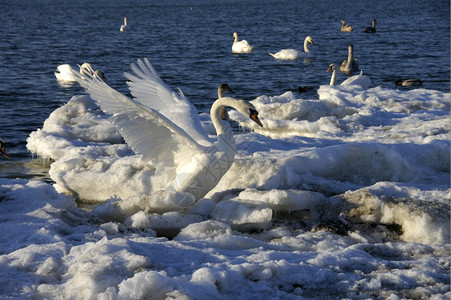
(358, 206)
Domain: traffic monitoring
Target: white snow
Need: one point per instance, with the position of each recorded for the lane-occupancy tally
(342, 196)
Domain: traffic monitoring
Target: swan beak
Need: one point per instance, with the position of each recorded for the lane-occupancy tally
(254, 117)
(329, 69)
(3, 151)
(311, 42)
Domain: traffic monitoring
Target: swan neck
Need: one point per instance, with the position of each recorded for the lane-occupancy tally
(235, 39)
(215, 114)
(306, 45)
(333, 79)
(350, 55)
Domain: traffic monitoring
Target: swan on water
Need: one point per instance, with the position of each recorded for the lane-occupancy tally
(409, 82)
(371, 29)
(164, 128)
(3, 149)
(292, 54)
(362, 80)
(124, 26)
(345, 27)
(65, 72)
(350, 64)
(241, 46)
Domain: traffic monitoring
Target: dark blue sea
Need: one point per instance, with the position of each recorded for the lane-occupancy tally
(189, 44)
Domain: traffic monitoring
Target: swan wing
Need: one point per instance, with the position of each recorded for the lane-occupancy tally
(286, 54)
(149, 90)
(363, 80)
(242, 46)
(145, 130)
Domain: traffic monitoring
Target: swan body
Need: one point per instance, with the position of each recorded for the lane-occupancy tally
(241, 46)
(345, 27)
(371, 29)
(124, 26)
(164, 128)
(292, 54)
(362, 80)
(409, 82)
(350, 64)
(3, 149)
(65, 72)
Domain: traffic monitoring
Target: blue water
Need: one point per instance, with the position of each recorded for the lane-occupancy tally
(189, 44)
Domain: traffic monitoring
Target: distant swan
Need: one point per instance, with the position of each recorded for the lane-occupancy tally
(3, 150)
(350, 64)
(292, 54)
(409, 82)
(164, 127)
(65, 72)
(362, 80)
(241, 46)
(371, 29)
(124, 26)
(345, 27)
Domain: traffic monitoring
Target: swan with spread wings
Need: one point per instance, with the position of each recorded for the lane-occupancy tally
(164, 128)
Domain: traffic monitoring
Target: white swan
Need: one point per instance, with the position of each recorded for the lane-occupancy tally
(124, 26)
(65, 73)
(350, 64)
(371, 29)
(3, 149)
(345, 27)
(292, 54)
(241, 46)
(363, 80)
(164, 127)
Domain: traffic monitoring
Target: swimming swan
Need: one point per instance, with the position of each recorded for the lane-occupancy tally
(362, 80)
(65, 72)
(124, 26)
(241, 46)
(292, 54)
(3, 150)
(164, 128)
(371, 29)
(345, 27)
(350, 64)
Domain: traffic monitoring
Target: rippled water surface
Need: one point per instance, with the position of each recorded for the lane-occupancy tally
(189, 44)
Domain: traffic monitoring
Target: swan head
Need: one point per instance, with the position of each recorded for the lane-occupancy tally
(100, 74)
(224, 87)
(86, 67)
(309, 40)
(3, 150)
(235, 35)
(332, 67)
(248, 110)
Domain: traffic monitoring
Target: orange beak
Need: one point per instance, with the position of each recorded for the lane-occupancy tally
(254, 117)
(3, 151)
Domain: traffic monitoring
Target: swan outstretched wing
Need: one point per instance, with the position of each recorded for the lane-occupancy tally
(144, 129)
(149, 90)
